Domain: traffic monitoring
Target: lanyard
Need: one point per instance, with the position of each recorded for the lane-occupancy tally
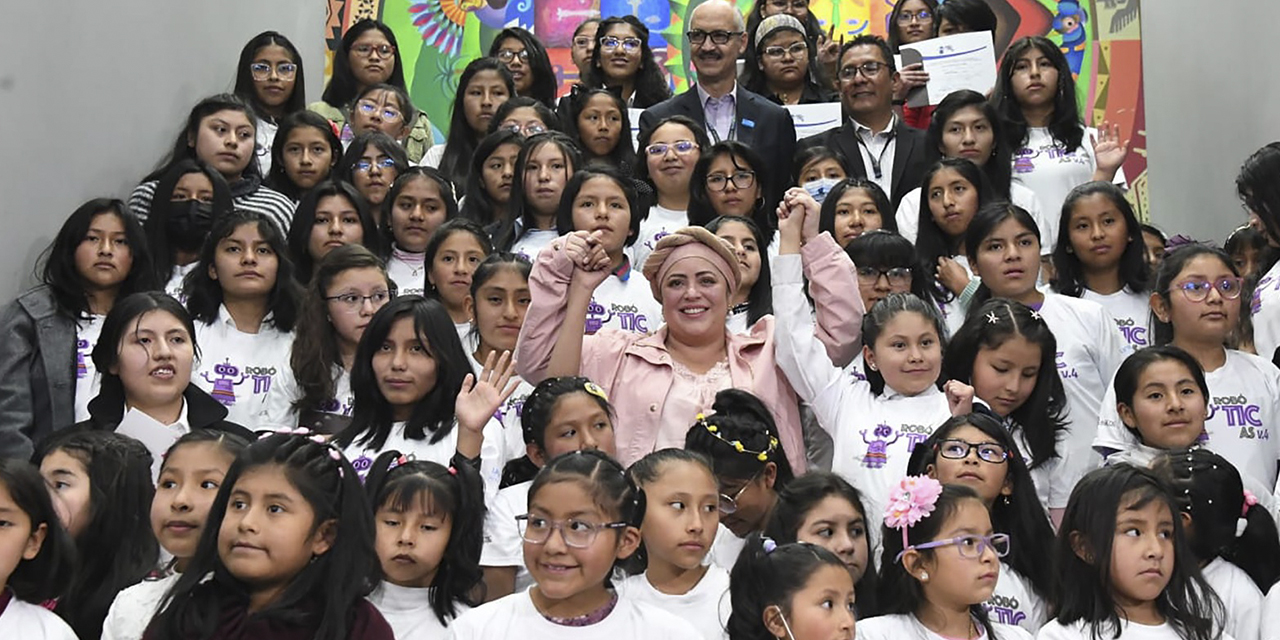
(876, 160)
(733, 125)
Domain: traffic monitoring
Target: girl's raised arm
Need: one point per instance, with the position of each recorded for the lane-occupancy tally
(564, 276)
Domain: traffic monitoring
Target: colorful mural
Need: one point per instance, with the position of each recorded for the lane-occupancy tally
(1101, 38)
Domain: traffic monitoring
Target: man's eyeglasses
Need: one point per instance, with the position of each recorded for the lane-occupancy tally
(698, 36)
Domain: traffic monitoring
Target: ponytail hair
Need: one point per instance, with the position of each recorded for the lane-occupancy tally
(1229, 522)
(457, 492)
(740, 417)
(768, 574)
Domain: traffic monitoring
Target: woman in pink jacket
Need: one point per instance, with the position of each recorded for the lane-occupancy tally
(661, 381)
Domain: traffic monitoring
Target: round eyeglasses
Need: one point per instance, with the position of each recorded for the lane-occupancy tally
(576, 533)
(1198, 290)
(262, 70)
(956, 449)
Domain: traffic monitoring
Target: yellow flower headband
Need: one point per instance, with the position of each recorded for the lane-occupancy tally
(762, 456)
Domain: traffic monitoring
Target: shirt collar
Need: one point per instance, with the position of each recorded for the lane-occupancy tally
(860, 129)
(703, 95)
(408, 257)
(624, 270)
(182, 425)
(225, 319)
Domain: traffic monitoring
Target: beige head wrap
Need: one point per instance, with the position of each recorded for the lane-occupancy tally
(690, 242)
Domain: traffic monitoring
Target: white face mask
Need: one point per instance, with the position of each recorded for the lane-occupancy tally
(820, 188)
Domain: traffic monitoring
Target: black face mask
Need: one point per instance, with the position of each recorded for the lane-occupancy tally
(188, 223)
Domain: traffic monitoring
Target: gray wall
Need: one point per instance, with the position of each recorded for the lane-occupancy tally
(93, 94)
(1212, 87)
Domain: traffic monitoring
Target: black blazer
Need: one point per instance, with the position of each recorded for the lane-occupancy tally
(911, 158)
(203, 412)
(762, 125)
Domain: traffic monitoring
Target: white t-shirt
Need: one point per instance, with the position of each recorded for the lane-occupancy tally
(904, 626)
(508, 414)
(265, 138)
(1081, 630)
(88, 381)
(432, 157)
(280, 414)
(1244, 397)
(1266, 314)
(908, 215)
(503, 546)
(1014, 602)
(661, 222)
(408, 611)
(695, 606)
(1130, 310)
(174, 286)
(873, 434)
(440, 452)
(1270, 628)
(1052, 172)
(532, 241)
(238, 369)
(725, 549)
(515, 617)
(133, 608)
(1090, 349)
(408, 270)
(625, 305)
(1241, 598)
(28, 621)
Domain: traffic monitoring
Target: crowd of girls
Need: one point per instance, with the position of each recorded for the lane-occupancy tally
(334, 370)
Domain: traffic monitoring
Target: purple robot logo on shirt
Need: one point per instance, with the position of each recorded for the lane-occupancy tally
(596, 317)
(225, 382)
(1005, 609)
(876, 455)
(82, 347)
(1023, 160)
(1241, 415)
(650, 244)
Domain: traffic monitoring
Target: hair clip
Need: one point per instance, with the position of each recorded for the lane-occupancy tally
(595, 390)
(913, 501)
(1249, 501)
(991, 318)
(768, 544)
(762, 456)
(1035, 315)
(453, 471)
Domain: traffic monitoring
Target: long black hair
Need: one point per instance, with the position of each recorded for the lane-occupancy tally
(702, 212)
(696, 131)
(895, 36)
(1082, 558)
(507, 234)
(432, 418)
(760, 299)
(543, 88)
(999, 166)
(204, 293)
(1019, 513)
(878, 316)
(650, 87)
(1043, 417)
(123, 319)
(635, 205)
(931, 242)
(244, 77)
(326, 591)
(827, 212)
(623, 155)
(116, 547)
(47, 575)
(184, 145)
(57, 264)
(884, 249)
(768, 574)
(1258, 186)
(1134, 275)
(1065, 126)
(477, 204)
(460, 145)
(990, 216)
(182, 225)
(1171, 267)
(454, 492)
(304, 218)
(278, 179)
(341, 90)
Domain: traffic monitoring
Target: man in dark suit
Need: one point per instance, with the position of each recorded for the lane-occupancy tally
(875, 141)
(717, 34)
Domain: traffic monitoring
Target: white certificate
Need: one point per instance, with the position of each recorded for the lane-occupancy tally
(812, 119)
(962, 61)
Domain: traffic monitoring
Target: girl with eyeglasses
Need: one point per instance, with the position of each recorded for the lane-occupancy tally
(314, 388)
(784, 67)
(939, 569)
(526, 58)
(749, 477)
(912, 21)
(386, 108)
(269, 77)
(331, 215)
(561, 415)
(976, 451)
(368, 55)
(582, 521)
(372, 163)
(584, 46)
(668, 153)
(821, 42)
(524, 116)
(731, 179)
(623, 62)
(1099, 257)
(1195, 306)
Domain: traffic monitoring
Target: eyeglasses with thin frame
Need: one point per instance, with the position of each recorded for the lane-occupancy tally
(582, 42)
(364, 166)
(367, 50)
(719, 36)
(1198, 290)
(367, 107)
(507, 55)
(262, 70)
(740, 179)
(970, 546)
(729, 504)
(897, 276)
(352, 302)
(575, 532)
(796, 50)
(613, 42)
(527, 129)
(957, 449)
(681, 147)
(907, 17)
(867, 69)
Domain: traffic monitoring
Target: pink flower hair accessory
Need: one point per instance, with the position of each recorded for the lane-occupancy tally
(913, 501)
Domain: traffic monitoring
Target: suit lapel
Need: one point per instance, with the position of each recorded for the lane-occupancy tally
(901, 153)
(690, 105)
(847, 143)
(747, 115)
